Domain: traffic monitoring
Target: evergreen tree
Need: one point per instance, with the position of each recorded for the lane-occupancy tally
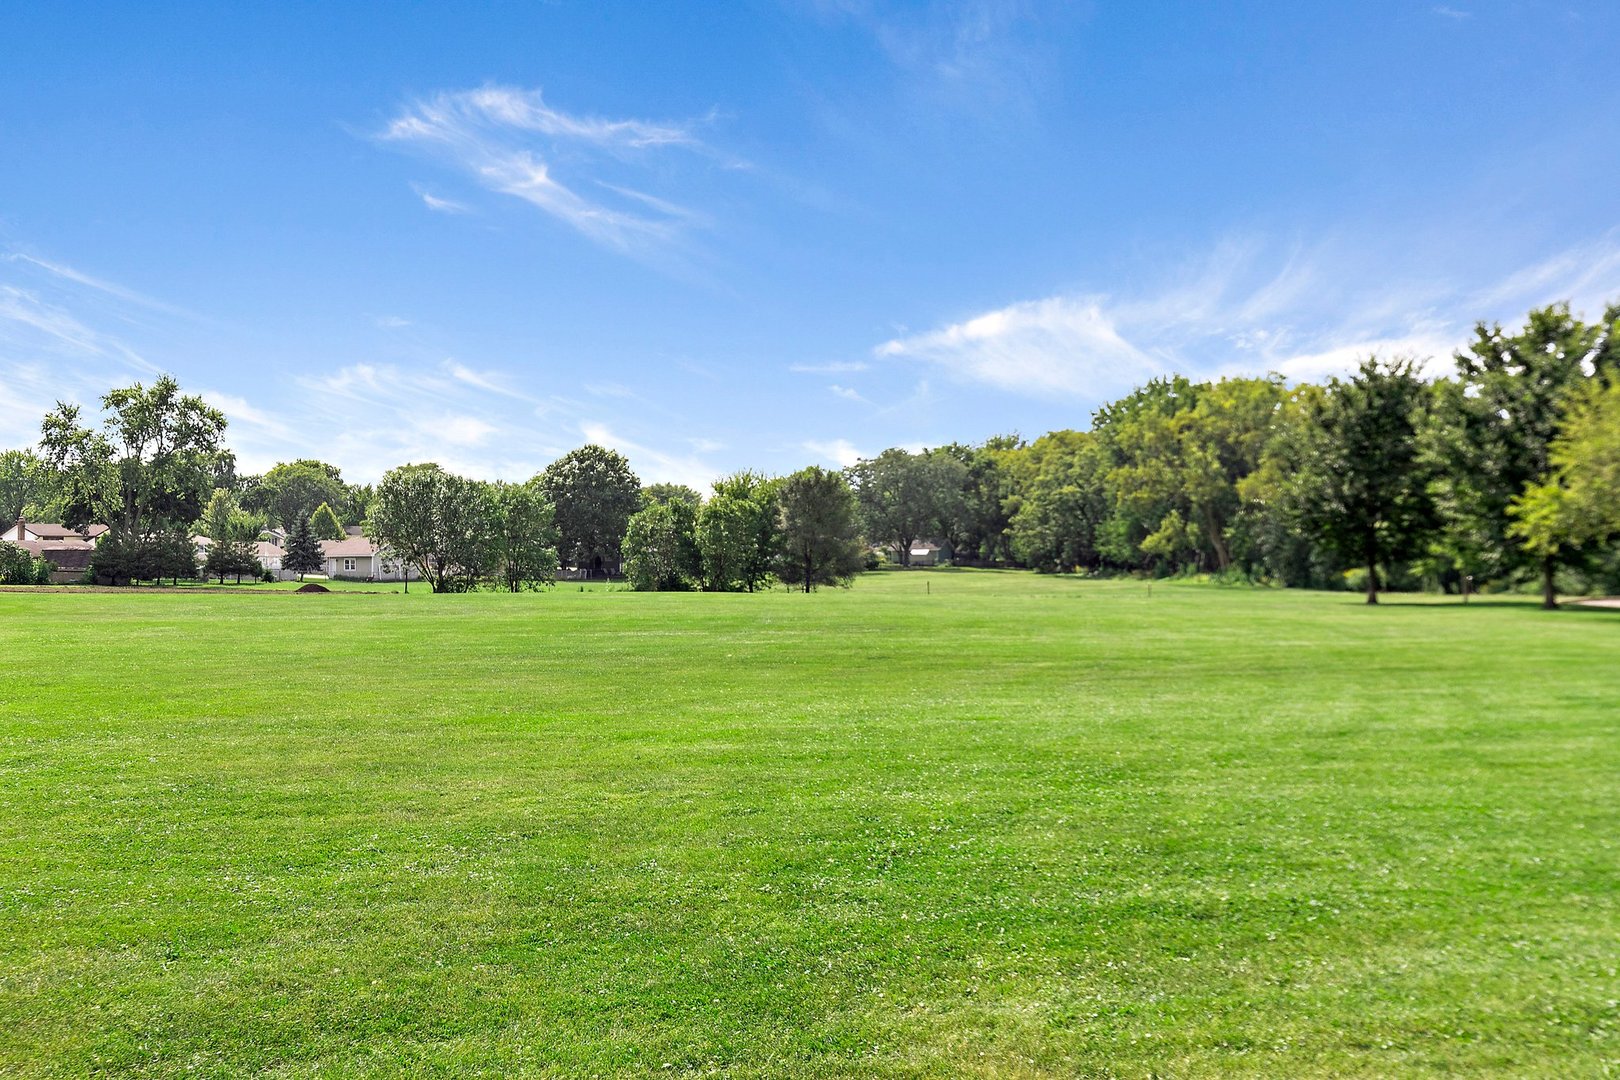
(303, 555)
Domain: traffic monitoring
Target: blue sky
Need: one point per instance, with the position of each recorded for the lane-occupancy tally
(770, 234)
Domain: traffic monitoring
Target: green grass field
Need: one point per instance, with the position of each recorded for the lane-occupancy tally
(1007, 826)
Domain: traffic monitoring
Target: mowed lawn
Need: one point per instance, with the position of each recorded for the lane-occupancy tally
(940, 824)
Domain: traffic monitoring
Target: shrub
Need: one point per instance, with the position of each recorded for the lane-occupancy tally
(17, 567)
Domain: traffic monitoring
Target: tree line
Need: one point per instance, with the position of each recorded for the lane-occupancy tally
(1503, 472)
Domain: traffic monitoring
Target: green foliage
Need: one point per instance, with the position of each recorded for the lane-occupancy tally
(122, 558)
(356, 503)
(664, 493)
(1579, 503)
(593, 493)
(758, 494)
(303, 553)
(1494, 427)
(18, 567)
(1058, 501)
(25, 486)
(437, 522)
(292, 491)
(1178, 452)
(524, 536)
(660, 547)
(820, 542)
(324, 523)
(905, 497)
(727, 530)
(977, 521)
(1266, 538)
(1360, 484)
(233, 551)
(148, 468)
(231, 558)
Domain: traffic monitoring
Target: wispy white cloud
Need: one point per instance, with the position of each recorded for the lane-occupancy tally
(840, 452)
(508, 140)
(442, 205)
(836, 367)
(391, 322)
(1060, 345)
(984, 56)
(62, 337)
(488, 381)
(1455, 14)
(78, 277)
(847, 393)
(651, 464)
(1245, 310)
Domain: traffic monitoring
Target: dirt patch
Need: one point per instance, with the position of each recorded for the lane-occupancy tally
(312, 587)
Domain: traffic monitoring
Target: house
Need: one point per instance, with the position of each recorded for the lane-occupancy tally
(67, 550)
(359, 559)
(269, 556)
(923, 553)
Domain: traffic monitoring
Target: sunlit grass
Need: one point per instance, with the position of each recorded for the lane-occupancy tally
(940, 823)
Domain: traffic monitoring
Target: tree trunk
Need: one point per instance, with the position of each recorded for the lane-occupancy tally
(1217, 540)
(1372, 581)
(1549, 592)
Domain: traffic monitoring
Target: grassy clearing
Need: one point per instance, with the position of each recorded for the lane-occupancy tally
(1009, 826)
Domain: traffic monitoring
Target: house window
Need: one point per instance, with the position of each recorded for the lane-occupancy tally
(348, 564)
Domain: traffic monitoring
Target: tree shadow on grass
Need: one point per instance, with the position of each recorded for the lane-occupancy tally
(1456, 604)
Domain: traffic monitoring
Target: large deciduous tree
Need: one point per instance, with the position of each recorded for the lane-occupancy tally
(820, 533)
(663, 492)
(146, 472)
(725, 538)
(593, 493)
(904, 497)
(1360, 482)
(750, 563)
(524, 535)
(1179, 450)
(976, 522)
(1057, 503)
(291, 492)
(660, 548)
(1494, 427)
(437, 522)
(1579, 503)
(24, 485)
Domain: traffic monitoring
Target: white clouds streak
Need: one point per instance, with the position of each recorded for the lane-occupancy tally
(651, 465)
(508, 139)
(1043, 347)
(840, 452)
(1237, 314)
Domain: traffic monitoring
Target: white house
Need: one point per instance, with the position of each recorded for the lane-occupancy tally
(358, 558)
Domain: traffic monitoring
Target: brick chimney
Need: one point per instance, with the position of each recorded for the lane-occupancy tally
(21, 525)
